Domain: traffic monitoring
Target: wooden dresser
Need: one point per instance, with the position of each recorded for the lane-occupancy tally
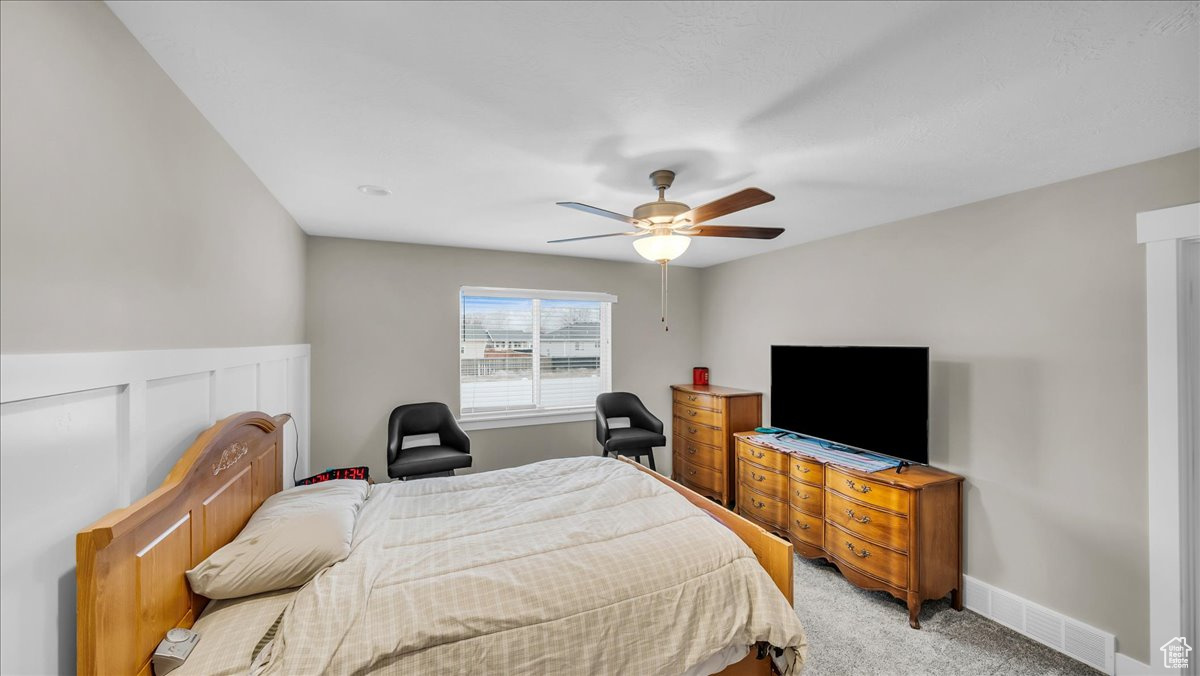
(896, 532)
(704, 420)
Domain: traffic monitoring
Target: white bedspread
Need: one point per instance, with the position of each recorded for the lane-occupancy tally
(575, 566)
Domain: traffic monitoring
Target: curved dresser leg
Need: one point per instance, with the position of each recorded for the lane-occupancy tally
(914, 610)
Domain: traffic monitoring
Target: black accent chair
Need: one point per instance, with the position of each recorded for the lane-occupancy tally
(644, 431)
(453, 452)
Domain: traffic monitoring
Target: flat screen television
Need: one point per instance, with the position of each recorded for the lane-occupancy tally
(868, 398)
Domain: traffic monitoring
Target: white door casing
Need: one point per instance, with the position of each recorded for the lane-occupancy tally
(1172, 242)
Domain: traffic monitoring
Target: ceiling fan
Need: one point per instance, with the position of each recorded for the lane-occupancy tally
(664, 229)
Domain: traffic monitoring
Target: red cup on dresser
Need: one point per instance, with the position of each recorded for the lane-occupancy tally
(700, 375)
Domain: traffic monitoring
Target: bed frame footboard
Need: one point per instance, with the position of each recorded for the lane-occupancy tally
(773, 553)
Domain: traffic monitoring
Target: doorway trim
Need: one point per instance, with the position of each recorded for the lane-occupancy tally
(1171, 238)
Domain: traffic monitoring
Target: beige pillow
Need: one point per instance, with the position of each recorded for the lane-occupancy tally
(294, 534)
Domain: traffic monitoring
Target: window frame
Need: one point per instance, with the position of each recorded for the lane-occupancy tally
(538, 415)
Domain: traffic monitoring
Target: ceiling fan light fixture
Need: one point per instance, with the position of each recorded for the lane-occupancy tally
(661, 248)
(665, 228)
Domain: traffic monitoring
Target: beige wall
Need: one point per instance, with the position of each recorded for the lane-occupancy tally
(383, 324)
(1033, 305)
(126, 221)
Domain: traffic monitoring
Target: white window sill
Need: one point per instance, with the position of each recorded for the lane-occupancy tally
(487, 421)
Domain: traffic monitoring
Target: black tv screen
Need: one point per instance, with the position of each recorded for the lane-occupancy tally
(869, 398)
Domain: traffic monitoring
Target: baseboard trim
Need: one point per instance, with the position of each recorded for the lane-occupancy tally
(1075, 639)
(1127, 666)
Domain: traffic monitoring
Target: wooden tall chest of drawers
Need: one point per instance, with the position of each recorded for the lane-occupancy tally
(704, 420)
(895, 532)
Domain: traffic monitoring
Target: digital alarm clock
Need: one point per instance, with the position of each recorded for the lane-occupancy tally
(359, 473)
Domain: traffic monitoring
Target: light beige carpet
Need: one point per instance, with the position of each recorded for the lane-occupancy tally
(856, 632)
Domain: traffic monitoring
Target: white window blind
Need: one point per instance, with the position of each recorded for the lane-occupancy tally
(531, 352)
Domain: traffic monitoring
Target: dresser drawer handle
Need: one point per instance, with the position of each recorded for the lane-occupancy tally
(860, 554)
(861, 519)
(802, 526)
(757, 504)
(692, 430)
(691, 472)
(863, 489)
(691, 397)
(691, 412)
(757, 477)
(802, 469)
(760, 456)
(691, 450)
(802, 496)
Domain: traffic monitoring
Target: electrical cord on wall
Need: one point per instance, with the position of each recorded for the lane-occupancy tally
(296, 464)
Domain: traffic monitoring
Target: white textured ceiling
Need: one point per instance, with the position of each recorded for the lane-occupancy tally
(479, 116)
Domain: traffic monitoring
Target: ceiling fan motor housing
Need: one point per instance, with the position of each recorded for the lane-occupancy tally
(662, 217)
(659, 212)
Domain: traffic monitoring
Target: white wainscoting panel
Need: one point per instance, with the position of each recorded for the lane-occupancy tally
(83, 434)
(272, 384)
(50, 447)
(236, 389)
(177, 409)
(296, 448)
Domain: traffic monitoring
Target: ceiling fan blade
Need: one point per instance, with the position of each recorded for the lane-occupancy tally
(747, 232)
(743, 199)
(611, 234)
(601, 212)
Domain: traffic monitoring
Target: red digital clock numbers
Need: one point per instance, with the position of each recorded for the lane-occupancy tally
(358, 473)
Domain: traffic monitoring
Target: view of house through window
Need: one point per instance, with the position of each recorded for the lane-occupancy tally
(531, 351)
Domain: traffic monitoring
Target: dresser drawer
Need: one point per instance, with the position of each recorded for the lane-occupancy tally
(865, 490)
(700, 415)
(870, 558)
(700, 454)
(763, 456)
(807, 471)
(763, 508)
(703, 433)
(806, 527)
(807, 498)
(697, 400)
(771, 483)
(702, 477)
(868, 522)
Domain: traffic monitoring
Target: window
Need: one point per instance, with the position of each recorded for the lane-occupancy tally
(528, 356)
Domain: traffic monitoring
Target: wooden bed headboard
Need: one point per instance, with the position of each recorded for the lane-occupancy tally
(130, 565)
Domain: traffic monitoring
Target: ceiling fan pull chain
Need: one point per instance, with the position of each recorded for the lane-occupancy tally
(664, 295)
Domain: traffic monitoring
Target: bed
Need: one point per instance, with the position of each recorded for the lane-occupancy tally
(526, 569)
